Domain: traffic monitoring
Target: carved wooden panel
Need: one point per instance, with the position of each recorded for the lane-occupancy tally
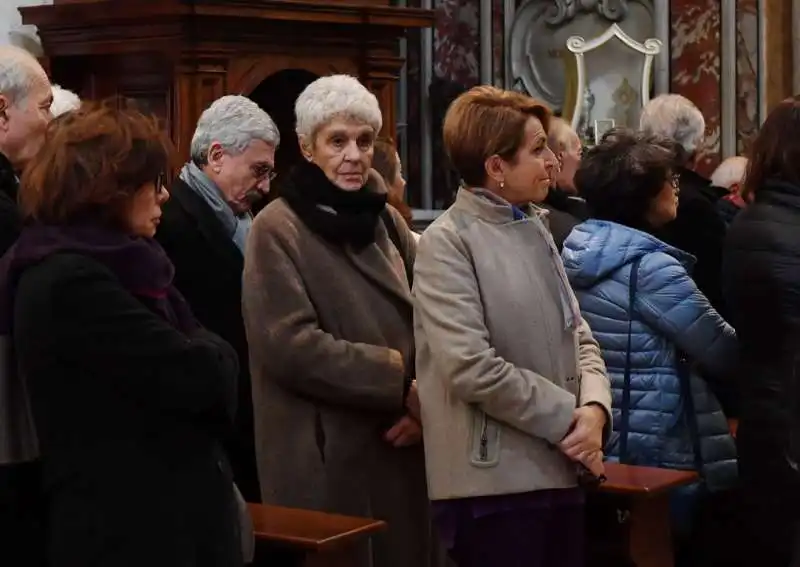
(176, 56)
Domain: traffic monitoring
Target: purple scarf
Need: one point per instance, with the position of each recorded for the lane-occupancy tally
(140, 264)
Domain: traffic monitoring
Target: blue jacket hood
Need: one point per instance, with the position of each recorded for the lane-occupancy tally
(594, 249)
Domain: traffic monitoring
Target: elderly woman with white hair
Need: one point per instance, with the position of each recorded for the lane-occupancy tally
(698, 229)
(329, 320)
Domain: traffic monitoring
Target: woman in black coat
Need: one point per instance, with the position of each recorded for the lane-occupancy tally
(130, 396)
(761, 275)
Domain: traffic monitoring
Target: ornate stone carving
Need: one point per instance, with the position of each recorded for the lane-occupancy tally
(562, 11)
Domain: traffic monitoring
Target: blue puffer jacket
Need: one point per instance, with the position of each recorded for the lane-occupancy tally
(669, 313)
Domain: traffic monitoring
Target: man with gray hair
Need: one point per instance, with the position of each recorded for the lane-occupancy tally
(25, 98)
(698, 229)
(203, 230)
(729, 176)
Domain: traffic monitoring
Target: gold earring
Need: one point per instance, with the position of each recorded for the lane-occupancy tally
(502, 185)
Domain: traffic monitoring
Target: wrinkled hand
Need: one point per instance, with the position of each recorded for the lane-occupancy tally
(412, 401)
(407, 431)
(586, 432)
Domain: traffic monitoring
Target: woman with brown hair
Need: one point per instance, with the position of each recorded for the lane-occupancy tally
(512, 386)
(761, 275)
(386, 161)
(130, 396)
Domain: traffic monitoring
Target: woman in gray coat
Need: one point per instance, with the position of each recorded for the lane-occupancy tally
(328, 314)
(513, 388)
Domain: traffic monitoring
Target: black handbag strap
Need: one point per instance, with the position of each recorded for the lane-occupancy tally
(625, 410)
(394, 236)
(683, 366)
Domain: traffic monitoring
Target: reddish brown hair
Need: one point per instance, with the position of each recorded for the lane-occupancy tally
(487, 121)
(385, 162)
(775, 152)
(92, 162)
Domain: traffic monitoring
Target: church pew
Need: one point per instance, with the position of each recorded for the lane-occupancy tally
(311, 538)
(644, 493)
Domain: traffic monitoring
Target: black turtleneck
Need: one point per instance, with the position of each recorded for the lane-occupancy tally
(10, 217)
(339, 216)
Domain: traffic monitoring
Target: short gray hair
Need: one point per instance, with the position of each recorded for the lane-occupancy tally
(233, 121)
(63, 101)
(335, 96)
(676, 117)
(17, 73)
(730, 172)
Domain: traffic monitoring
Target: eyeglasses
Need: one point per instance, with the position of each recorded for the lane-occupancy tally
(263, 171)
(160, 183)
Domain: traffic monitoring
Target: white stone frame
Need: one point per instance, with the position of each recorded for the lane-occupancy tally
(578, 46)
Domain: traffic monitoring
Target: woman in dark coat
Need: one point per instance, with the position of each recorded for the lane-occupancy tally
(130, 396)
(761, 274)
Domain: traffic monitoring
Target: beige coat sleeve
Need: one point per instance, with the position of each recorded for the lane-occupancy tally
(287, 344)
(448, 308)
(595, 386)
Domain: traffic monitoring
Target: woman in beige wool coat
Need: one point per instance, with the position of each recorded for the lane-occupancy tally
(329, 320)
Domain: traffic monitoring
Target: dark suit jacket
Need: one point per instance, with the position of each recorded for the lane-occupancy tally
(20, 515)
(700, 231)
(10, 218)
(566, 212)
(208, 272)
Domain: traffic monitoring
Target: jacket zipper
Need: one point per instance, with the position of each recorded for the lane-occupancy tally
(484, 447)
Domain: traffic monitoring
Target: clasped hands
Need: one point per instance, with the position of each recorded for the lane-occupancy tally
(584, 442)
(407, 430)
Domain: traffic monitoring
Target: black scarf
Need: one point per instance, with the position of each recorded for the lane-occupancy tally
(140, 264)
(338, 216)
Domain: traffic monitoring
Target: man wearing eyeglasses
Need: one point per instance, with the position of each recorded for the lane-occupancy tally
(204, 228)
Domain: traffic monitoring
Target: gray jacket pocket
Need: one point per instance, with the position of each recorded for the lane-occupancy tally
(485, 445)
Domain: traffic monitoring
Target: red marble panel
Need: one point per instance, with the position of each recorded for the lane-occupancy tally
(498, 43)
(747, 73)
(456, 42)
(695, 67)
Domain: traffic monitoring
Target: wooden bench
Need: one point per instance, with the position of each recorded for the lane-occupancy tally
(645, 494)
(314, 539)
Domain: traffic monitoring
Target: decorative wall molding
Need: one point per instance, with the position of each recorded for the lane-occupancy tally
(579, 46)
(529, 49)
(562, 11)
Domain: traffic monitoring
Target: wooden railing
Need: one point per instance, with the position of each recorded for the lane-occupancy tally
(313, 539)
(644, 493)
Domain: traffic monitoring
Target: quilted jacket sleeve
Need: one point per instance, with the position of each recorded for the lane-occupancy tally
(668, 300)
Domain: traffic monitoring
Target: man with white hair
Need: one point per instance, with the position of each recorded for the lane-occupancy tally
(203, 229)
(63, 101)
(698, 229)
(25, 98)
(730, 177)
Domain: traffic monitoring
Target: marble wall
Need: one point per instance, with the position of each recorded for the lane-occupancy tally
(456, 41)
(695, 46)
(747, 74)
(695, 54)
